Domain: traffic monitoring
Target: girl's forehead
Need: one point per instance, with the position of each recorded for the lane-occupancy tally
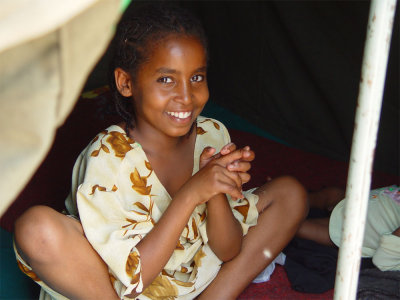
(177, 47)
(174, 39)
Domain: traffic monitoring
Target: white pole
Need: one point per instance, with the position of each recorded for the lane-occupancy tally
(376, 51)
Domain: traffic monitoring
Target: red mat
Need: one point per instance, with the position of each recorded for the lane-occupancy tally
(51, 183)
(278, 287)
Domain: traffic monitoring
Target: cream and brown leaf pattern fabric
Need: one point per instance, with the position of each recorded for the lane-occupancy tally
(120, 199)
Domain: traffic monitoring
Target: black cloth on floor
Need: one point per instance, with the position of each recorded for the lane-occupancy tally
(366, 263)
(314, 213)
(310, 267)
(378, 285)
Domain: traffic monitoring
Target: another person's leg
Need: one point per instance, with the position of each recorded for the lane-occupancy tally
(282, 207)
(317, 229)
(55, 247)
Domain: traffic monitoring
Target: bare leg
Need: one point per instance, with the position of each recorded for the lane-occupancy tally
(55, 247)
(282, 206)
(316, 230)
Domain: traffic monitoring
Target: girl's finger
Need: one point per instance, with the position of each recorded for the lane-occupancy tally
(230, 158)
(245, 177)
(231, 190)
(234, 178)
(228, 148)
(206, 156)
(248, 155)
(244, 154)
(207, 153)
(239, 166)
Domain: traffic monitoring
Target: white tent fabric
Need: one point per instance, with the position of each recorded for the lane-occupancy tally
(47, 49)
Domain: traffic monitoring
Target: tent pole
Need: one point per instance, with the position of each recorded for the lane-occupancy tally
(376, 51)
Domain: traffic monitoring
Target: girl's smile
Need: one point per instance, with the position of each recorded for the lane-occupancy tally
(180, 116)
(170, 88)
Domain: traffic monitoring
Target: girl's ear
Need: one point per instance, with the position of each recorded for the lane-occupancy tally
(123, 82)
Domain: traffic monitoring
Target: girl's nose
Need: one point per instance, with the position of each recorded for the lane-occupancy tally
(184, 93)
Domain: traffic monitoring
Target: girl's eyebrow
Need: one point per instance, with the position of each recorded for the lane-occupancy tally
(165, 70)
(201, 69)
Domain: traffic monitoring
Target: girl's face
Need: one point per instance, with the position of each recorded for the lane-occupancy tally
(170, 89)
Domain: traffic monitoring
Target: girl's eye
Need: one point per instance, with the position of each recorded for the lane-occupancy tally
(164, 80)
(197, 78)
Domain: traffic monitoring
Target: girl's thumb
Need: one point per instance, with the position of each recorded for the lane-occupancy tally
(206, 156)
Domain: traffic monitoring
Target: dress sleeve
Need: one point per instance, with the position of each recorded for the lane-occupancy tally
(245, 210)
(115, 207)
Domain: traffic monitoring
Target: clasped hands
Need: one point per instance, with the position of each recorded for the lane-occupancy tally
(236, 162)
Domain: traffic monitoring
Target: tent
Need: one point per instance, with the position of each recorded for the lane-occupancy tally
(290, 67)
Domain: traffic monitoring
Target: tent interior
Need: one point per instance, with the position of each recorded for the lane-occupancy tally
(292, 68)
(284, 76)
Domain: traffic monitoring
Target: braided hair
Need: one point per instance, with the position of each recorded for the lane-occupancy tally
(134, 41)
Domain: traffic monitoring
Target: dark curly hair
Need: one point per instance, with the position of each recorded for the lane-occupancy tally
(136, 35)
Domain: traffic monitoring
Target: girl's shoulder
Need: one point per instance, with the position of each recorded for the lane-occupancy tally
(100, 162)
(211, 132)
(209, 125)
(112, 142)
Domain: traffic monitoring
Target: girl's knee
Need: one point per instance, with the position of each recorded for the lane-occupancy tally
(294, 192)
(38, 233)
(292, 186)
(288, 192)
(296, 197)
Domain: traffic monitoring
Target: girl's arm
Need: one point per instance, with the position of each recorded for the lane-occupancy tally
(158, 245)
(120, 226)
(223, 229)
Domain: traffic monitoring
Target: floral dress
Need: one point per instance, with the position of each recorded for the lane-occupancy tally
(119, 199)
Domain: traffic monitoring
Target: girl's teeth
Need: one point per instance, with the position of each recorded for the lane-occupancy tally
(180, 115)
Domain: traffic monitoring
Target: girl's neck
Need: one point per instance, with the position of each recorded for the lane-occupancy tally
(166, 153)
(154, 143)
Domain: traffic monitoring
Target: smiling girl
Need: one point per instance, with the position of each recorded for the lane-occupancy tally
(159, 198)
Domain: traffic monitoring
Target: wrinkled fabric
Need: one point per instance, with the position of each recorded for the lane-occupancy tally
(310, 267)
(265, 275)
(378, 285)
(46, 52)
(383, 217)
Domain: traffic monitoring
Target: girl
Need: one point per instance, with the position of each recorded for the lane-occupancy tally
(161, 209)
